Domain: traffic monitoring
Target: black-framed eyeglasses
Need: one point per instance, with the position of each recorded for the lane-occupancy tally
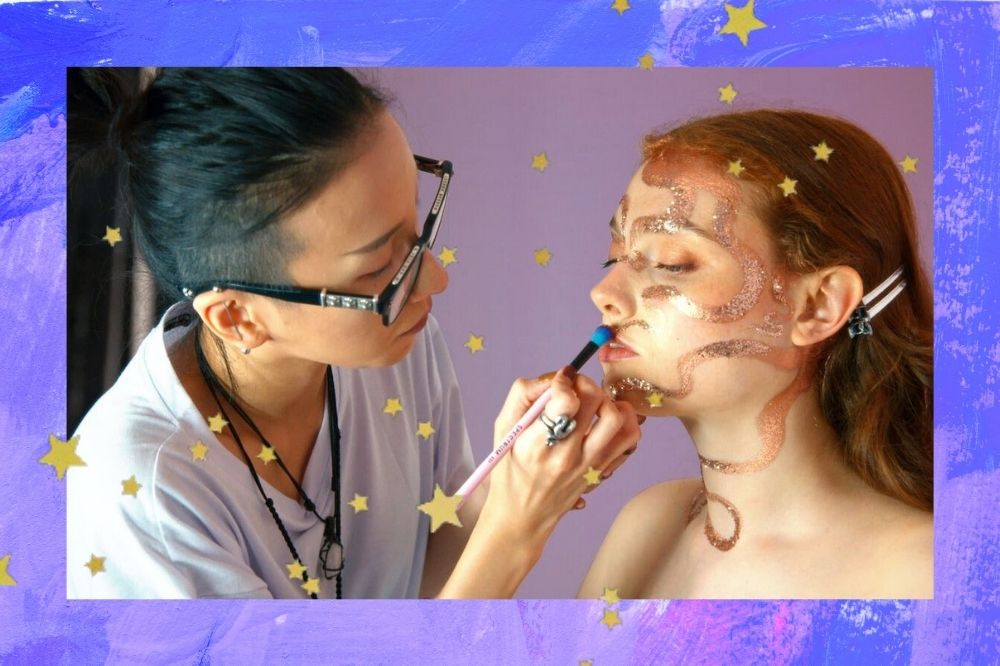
(390, 302)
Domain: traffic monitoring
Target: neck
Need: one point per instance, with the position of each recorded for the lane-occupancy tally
(272, 388)
(778, 485)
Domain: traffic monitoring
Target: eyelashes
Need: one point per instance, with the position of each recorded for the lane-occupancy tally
(675, 269)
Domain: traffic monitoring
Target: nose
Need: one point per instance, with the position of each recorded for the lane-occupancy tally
(433, 277)
(612, 297)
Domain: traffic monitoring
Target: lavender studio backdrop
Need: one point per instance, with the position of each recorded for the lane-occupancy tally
(534, 311)
(959, 40)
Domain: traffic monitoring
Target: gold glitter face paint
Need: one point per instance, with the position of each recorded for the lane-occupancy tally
(772, 324)
(677, 217)
(687, 365)
(699, 502)
(770, 429)
(624, 326)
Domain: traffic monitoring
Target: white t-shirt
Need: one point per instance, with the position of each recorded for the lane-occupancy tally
(199, 527)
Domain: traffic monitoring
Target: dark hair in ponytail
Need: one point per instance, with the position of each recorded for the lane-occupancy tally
(876, 391)
(210, 158)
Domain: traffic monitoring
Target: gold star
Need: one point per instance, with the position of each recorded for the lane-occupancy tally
(620, 6)
(5, 578)
(610, 597)
(741, 22)
(296, 570)
(586, 662)
(475, 343)
(610, 618)
(593, 476)
(112, 235)
(62, 455)
(425, 429)
(788, 186)
(727, 93)
(646, 61)
(543, 257)
(909, 164)
(392, 406)
(735, 168)
(447, 256)
(655, 399)
(539, 161)
(442, 509)
(822, 151)
(311, 586)
(131, 487)
(96, 564)
(217, 423)
(198, 450)
(267, 453)
(359, 503)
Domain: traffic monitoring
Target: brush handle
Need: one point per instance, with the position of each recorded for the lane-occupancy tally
(487, 465)
(584, 356)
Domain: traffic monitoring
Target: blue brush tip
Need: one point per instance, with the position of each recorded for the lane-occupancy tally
(602, 334)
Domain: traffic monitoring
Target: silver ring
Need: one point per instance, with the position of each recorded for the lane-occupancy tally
(559, 429)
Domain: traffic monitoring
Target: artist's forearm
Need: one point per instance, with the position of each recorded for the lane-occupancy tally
(491, 567)
(445, 546)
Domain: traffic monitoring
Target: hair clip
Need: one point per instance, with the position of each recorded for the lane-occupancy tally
(860, 322)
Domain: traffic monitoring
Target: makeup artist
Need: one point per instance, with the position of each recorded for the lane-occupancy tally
(263, 440)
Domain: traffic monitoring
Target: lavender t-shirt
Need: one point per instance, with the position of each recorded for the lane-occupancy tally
(199, 527)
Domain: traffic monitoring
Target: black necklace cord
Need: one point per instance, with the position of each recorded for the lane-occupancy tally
(331, 531)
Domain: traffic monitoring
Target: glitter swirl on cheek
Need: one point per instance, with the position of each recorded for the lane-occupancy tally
(773, 324)
(778, 292)
(752, 268)
(686, 366)
(699, 502)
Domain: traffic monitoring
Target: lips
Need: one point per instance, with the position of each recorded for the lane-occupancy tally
(616, 350)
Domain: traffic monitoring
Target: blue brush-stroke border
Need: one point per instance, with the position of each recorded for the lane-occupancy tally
(960, 42)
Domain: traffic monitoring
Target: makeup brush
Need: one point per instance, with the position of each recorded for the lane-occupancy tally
(602, 335)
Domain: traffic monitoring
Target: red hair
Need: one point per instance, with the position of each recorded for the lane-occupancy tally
(854, 210)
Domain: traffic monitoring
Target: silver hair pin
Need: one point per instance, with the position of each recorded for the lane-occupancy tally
(874, 302)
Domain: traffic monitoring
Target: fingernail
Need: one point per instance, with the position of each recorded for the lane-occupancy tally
(548, 376)
(606, 475)
(568, 371)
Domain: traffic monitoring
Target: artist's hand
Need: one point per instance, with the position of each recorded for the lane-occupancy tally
(534, 485)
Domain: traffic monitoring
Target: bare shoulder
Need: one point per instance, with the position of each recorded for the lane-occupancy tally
(912, 554)
(906, 549)
(642, 534)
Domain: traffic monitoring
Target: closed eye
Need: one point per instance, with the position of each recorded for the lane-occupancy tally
(609, 263)
(675, 268)
(375, 274)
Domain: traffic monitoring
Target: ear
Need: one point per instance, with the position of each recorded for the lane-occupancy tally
(822, 302)
(231, 316)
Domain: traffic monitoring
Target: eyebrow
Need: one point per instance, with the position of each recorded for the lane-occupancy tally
(377, 243)
(684, 225)
(384, 238)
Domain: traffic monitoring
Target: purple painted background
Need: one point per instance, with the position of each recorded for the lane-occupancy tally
(589, 122)
(959, 40)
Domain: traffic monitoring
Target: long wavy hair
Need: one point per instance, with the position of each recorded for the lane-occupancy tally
(855, 210)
